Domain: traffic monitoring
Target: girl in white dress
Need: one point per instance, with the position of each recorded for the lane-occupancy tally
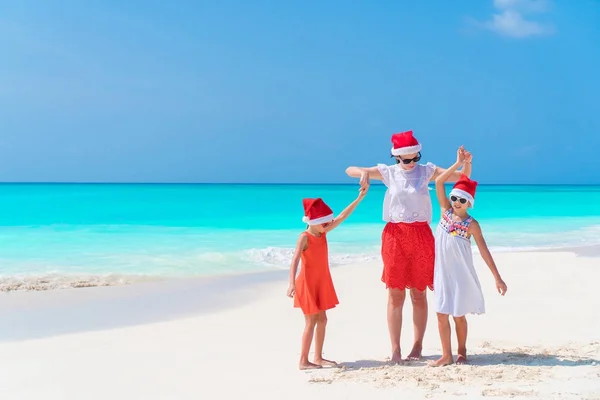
(456, 287)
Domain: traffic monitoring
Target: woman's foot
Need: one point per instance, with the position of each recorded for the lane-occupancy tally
(461, 359)
(309, 365)
(415, 354)
(442, 361)
(396, 357)
(325, 363)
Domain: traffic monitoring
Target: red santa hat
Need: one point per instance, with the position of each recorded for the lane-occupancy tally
(316, 212)
(465, 188)
(405, 143)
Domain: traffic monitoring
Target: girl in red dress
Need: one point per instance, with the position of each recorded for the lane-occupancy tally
(313, 289)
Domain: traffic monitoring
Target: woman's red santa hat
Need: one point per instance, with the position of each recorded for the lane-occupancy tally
(465, 188)
(405, 143)
(316, 212)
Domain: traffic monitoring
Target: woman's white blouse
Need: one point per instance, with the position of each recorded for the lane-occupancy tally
(407, 197)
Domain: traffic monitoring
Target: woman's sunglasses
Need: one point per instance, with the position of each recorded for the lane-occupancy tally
(454, 199)
(409, 160)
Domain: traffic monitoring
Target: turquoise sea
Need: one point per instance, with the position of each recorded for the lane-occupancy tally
(60, 235)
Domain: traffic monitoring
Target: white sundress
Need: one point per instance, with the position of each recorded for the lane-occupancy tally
(456, 286)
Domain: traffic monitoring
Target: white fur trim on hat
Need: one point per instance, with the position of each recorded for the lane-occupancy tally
(402, 151)
(317, 221)
(464, 195)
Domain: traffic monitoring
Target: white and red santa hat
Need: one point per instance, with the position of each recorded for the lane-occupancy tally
(316, 212)
(405, 143)
(465, 188)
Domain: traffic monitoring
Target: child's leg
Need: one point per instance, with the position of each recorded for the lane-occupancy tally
(461, 335)
(445, 332)
(307, 337)
(320, 339)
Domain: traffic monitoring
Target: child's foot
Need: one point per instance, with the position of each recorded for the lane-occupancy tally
(461, 359)
(462, 355)
(441, 362)
(415, 354)
(309, 365)
(325, 363)
(396, 357)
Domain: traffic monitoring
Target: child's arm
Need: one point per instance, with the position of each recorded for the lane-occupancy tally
(300, 247)
(440, 189)
(468, 165)
(475, 231)
(347, 211)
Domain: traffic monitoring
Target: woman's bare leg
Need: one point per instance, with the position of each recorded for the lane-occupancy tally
(394, 316)
(445, 332)
(461, 335)
(307, 337)
(320, 339)
(419, 303)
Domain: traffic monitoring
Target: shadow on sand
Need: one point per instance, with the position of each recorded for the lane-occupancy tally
(387, 363)
(524, 358)
(515, 358)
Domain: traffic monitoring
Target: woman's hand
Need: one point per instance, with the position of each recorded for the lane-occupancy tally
(460, 155)
(364, 180)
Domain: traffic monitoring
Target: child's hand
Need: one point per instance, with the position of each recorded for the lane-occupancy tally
(362, 192)
(291, 290)
(468, 157)
(501, 286)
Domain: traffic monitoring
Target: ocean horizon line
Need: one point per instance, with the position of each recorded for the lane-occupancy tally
(271, 183)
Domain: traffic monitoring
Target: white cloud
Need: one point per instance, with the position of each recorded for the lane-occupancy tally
(532, 6)
(510, 19)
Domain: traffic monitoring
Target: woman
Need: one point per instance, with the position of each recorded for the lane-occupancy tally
(407, 245)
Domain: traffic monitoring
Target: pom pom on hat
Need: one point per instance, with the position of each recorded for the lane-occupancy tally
(316, 212)
(465, 188)
(405, 143)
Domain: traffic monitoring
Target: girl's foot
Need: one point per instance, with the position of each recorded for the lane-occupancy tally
(396, 357)
(415, 354)
(461, 359)
(441, 362)
(325, 363)
(309, 365)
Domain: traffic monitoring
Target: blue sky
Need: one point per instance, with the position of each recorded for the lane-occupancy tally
(295, 91)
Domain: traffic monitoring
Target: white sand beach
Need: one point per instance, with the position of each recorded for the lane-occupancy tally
(240, 336)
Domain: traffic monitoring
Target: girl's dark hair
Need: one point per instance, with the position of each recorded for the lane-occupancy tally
(396, 158)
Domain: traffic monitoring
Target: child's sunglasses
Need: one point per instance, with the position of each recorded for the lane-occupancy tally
(454, 199)
(409, 160)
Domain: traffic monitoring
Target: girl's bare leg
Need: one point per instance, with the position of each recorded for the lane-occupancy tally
(320, 339)
(461, 335)
(419, 303)
(445, 331)
(307, 337)
(394, 316)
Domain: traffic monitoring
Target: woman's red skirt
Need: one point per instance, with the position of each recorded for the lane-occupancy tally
(408, 252)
